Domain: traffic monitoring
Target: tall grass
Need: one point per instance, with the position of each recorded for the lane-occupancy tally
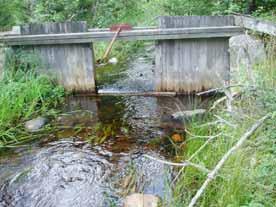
(24, 94)
(248, 178)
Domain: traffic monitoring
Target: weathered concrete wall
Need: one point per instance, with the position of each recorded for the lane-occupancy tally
(192, 65)
(71, 64)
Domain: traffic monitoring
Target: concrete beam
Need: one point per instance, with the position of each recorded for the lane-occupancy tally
(145, 34)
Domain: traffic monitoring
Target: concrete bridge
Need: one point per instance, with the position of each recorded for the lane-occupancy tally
(192, 52)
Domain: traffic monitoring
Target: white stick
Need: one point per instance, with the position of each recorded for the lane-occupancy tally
(218, 89)
(221, 100)
(182, 164)
(214, 172)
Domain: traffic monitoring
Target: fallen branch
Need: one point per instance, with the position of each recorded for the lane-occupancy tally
(195, 153)
(221, 120)
(182, 164)
(197, 137)
(215, 90)
(221, 100)
(129, 93)
(214, 172)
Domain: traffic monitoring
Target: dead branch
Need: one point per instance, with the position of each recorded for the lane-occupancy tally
(210, 138)
(221, 120)
(128, 93)
(215, 90)
(200, 136)
(221, 100)
(229, 100)
(182, 164)
(212, 175)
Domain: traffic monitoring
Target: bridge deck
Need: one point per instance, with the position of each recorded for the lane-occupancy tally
(94, 35)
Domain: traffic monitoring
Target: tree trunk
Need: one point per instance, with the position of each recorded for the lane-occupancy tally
(251, 6)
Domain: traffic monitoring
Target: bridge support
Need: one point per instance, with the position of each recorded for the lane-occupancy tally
(196, 64)
(71, 64)
(192, 52)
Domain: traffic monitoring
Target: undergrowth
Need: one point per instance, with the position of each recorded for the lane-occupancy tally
(24, 94)
(248, 178)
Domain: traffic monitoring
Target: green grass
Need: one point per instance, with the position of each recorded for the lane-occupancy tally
(24, 94)
(248, 178)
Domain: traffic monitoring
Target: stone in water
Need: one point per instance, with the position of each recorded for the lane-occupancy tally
(35, 124)
(141, 200)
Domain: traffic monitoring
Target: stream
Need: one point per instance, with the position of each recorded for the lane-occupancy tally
(96, 155)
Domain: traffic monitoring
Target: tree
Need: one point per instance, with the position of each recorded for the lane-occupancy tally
(12, 13)
(95, 12)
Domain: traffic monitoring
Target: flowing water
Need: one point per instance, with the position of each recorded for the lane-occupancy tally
(95, 156)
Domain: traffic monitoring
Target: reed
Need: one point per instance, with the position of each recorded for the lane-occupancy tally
(24, 94)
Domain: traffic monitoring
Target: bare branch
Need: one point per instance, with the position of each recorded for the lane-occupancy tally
(195, 153)
(221, 100)
(212, 175)
(182, 164)
(225, 121)
(219, 89)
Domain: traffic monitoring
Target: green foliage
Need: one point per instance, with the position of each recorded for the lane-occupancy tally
(247, 179)
(189, 7)
(95, 12)
(117, 11)
(245, 6)
(103, 13)
(12, 13)
(63, 10)
(214, 7)
(23, 94)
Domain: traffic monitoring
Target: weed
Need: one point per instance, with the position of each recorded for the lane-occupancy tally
(248, 177)
(24, 94)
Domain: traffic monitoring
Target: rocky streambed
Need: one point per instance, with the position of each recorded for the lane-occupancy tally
(70, 168)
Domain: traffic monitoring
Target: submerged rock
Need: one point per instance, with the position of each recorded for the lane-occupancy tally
(75, 118)
(35, 124)
(188, 114)
(244, 50)
(141, 200)
(170, 122)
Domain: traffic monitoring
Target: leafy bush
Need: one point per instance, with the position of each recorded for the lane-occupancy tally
(12, 13)
(95, 12)
(213, 7)
(189, 7)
